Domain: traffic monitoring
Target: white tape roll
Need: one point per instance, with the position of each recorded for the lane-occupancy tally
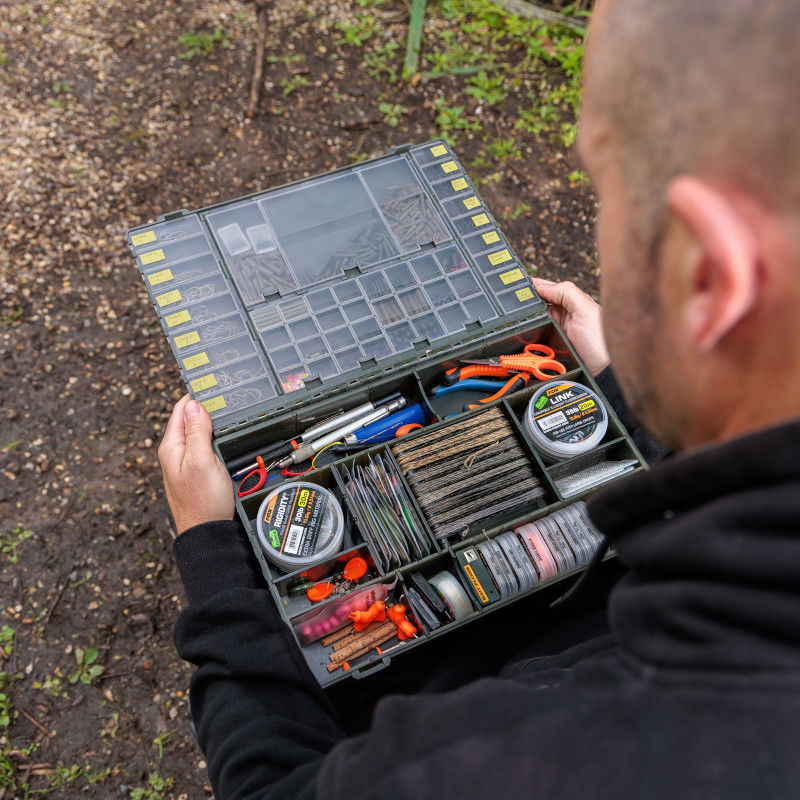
(453, 594)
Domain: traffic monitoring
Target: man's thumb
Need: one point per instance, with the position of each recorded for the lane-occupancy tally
(199, 430)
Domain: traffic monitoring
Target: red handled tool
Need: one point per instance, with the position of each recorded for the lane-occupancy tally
(538, 360)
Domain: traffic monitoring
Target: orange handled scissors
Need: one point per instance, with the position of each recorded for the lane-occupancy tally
(538, 360)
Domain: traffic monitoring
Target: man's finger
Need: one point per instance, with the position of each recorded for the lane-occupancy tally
(565, 294)
(198, 430)
(174, 437)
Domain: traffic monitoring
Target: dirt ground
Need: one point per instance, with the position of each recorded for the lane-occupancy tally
(104, 127)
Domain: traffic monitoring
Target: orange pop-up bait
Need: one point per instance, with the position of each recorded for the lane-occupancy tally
(375, 613)
(405, 629)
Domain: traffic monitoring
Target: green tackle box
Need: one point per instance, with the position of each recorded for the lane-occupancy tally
(292, 304)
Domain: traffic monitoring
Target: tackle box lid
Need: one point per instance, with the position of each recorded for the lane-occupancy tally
(277, 298)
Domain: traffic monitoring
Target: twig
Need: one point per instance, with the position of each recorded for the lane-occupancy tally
(33, 721)
(258, 65)
(55, 600)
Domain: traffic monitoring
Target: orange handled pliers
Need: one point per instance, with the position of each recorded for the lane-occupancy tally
(516, 380)
(538, 360)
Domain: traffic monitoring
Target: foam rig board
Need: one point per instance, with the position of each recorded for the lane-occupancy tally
(289, 307)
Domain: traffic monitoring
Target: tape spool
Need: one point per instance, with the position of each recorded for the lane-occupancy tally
(300, 525)
(497, 569)
(535, 543)
(565, 419)
(453, 594)
(519, 559)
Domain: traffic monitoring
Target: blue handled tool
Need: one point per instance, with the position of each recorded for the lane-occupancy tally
(474, 384)
(384, 429)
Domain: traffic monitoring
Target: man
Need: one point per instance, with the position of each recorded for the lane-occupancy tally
(689, 131)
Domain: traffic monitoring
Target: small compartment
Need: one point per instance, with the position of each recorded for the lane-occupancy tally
(388, 311)
(178, 321)
(320, 299)
(323, 368)
(479, 309)
(578, 477)
(428, 327)
(433, 151)
(224, 377)
(496, 258)
(170, 252)
(446, 168)
(349, 359)
(440, 293)
(210, 333)
(510, 277)
(465, 284)
(330, 319)
(274, 338)
(312, 349)
(163, 232)
(356, 310)
(483, 477)
(451, 259)
(454, 186)
(516, 299)
(457, 206)
(182, 271)
(441, 589)
(340, 339)
(401, 336)
(479, 242)
(190, 293)
(213, 355)
(400, 276)
(240, 397)
(347, 290)
(453, 318)
(472, 222)
(366, 329)
(284, 357)
(374, 285)
(414, 302)
(377, 349)
(426, 268)
(258, 275)
(302, 329)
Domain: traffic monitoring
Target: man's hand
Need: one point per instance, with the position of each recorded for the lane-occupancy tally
(580, 317)
(198, 486)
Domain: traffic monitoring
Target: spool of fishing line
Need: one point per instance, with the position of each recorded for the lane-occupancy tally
(453, 594)
(565, 419)
(300, 525)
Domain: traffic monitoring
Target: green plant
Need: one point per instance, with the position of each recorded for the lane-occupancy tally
(487, 88)
(7, 712)
(7, 634)
(392, 113)
(10, 542)
(87, 669)
(292, 58)
(579, 178)
(382, 61)
(358, 31)
(14, 316)
(159, 742)
(4, 59)
(156, 788)
(517, 212)
(292, 84)
(202, 43)
(503, 149)
(451, 120)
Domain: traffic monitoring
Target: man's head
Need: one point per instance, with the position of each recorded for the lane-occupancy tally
(691, 132)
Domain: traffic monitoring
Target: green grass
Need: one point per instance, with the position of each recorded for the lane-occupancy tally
(10, 542)
(202, 43)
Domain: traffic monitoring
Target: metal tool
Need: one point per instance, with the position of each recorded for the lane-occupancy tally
(308, 449)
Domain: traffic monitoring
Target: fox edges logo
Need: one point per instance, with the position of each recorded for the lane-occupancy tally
(274, 539)
(541, 403)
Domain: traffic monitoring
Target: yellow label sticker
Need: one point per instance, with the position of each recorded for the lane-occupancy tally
(160, 277)
(206, 382)
(214, 404)
(195, 361)
(471, 202)
(500, 257)
(438, 150)
(473, 579)
(480, 219)
(152, 257)
(511, 276)
(524, 294)
(459, 184)
(491, 237)
(449, 166)
(145, 237)
(168, 298)
(185, 339)
(178, 318)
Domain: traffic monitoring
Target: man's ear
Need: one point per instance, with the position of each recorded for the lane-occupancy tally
(723, 271)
